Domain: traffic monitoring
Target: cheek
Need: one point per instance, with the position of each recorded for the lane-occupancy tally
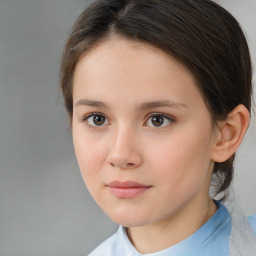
(90, 156)
(183, 161)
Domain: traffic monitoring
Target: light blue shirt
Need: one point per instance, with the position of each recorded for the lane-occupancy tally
(210, 240)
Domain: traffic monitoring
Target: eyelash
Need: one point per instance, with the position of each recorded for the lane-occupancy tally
(86, 117)
(161, 115)
(155, 114)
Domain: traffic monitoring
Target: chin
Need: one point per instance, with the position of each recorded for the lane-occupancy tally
(130, 223)
(129, 219)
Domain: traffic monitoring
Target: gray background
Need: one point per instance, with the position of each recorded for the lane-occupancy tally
(45, 208)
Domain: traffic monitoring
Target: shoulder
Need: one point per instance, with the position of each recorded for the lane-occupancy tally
(108, 247)
(252, 220)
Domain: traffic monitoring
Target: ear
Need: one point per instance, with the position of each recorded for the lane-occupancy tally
(230, 134)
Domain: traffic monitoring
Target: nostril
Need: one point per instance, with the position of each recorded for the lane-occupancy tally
(122, 165)
(124, 159)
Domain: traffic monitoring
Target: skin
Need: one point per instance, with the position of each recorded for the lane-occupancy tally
(118, 79)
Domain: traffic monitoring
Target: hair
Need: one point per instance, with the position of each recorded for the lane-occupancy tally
(200, 34)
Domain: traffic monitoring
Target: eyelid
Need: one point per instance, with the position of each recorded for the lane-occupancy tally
(160, 114)
(85, 118)
(168, 117)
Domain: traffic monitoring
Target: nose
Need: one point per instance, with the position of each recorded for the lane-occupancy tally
(124, 150)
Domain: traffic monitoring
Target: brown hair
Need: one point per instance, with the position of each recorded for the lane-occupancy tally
(199, 33)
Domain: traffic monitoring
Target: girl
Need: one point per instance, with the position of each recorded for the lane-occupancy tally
(159, 94)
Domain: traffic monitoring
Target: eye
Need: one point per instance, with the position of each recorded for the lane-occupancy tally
(159, 120)
(96, 120)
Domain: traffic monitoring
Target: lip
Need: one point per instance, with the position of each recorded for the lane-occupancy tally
(127, 189)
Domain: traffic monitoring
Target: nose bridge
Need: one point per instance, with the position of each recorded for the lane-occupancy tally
(123, 141)
(123, 137)
(124, 151)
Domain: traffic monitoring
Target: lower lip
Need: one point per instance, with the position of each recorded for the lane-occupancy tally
(127, 193)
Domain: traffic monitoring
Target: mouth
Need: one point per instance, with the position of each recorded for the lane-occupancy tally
(127, 189)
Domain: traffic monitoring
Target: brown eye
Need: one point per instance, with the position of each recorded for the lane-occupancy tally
(96, 120)
(159, 120)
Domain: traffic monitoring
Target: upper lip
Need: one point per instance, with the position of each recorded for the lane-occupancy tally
(127, 184)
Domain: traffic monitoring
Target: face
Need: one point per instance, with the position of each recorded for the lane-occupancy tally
(143, 136)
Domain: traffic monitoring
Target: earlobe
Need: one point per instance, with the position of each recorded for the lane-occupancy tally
(231, 133)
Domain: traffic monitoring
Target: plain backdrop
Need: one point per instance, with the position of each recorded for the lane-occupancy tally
(45, 209)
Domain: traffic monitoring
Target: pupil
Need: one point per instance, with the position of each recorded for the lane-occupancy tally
(157, 120)
(99, 120)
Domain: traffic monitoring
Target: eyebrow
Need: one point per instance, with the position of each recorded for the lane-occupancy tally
(143, 106)
(164, 103)
(93, 103)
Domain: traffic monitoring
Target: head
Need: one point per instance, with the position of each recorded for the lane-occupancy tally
(200, 36)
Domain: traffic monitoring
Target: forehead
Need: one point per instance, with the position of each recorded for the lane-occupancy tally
(125, 68)
(128, 52)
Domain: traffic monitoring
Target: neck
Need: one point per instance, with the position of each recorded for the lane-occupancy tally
(172, 230)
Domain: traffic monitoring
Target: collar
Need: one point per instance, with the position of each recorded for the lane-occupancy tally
(212, 236)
